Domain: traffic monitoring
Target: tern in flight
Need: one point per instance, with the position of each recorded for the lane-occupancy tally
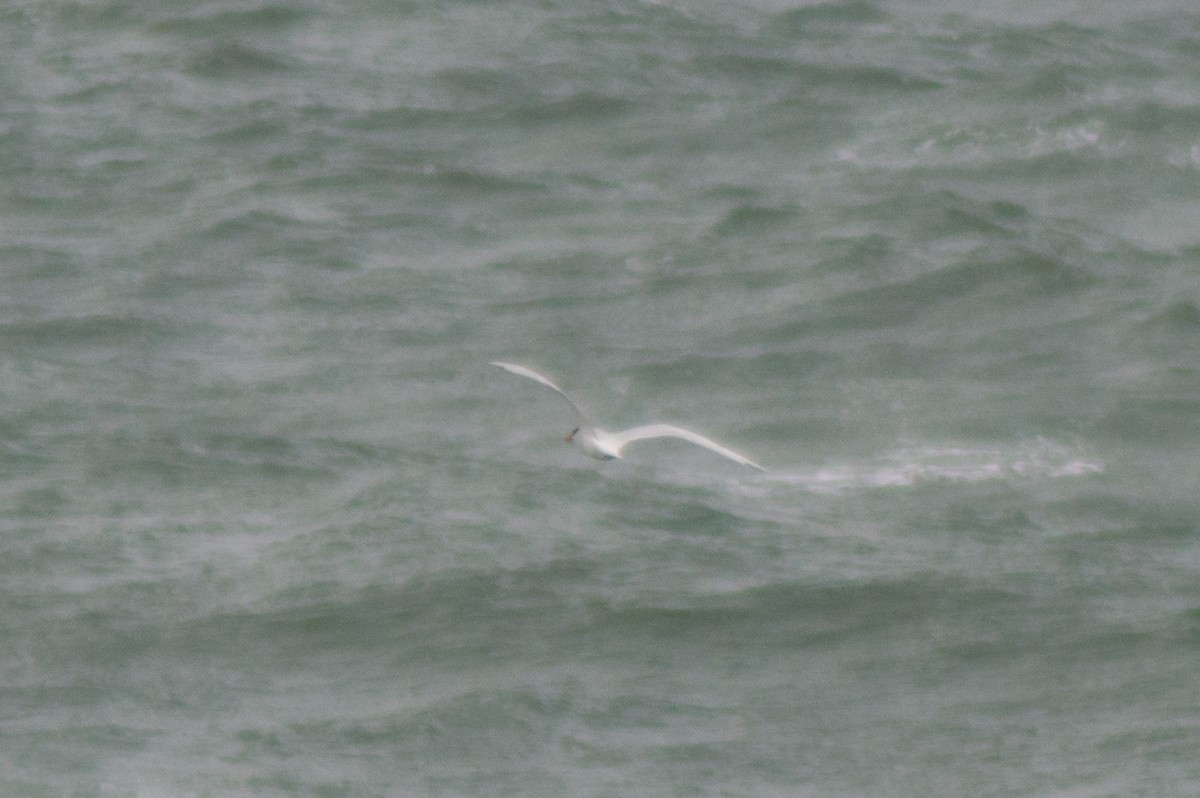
(604, 445)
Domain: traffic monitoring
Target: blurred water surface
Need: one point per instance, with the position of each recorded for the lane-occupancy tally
(270, 524)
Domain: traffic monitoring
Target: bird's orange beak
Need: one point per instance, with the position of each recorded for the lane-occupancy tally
(571, 437)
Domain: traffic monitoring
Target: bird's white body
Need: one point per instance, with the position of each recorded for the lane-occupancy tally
(597, 443)
(604, 445)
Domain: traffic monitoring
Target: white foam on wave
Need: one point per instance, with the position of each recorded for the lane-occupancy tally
(920, 464)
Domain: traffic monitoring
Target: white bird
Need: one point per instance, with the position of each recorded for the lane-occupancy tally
(604, 445)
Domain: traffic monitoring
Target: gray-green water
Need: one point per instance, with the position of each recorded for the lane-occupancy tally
(270, 524)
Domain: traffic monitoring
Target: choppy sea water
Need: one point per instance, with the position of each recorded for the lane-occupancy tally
(271, 525)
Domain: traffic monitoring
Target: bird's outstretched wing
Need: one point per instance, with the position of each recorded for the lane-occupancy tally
(525, 371)
(668, 431)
